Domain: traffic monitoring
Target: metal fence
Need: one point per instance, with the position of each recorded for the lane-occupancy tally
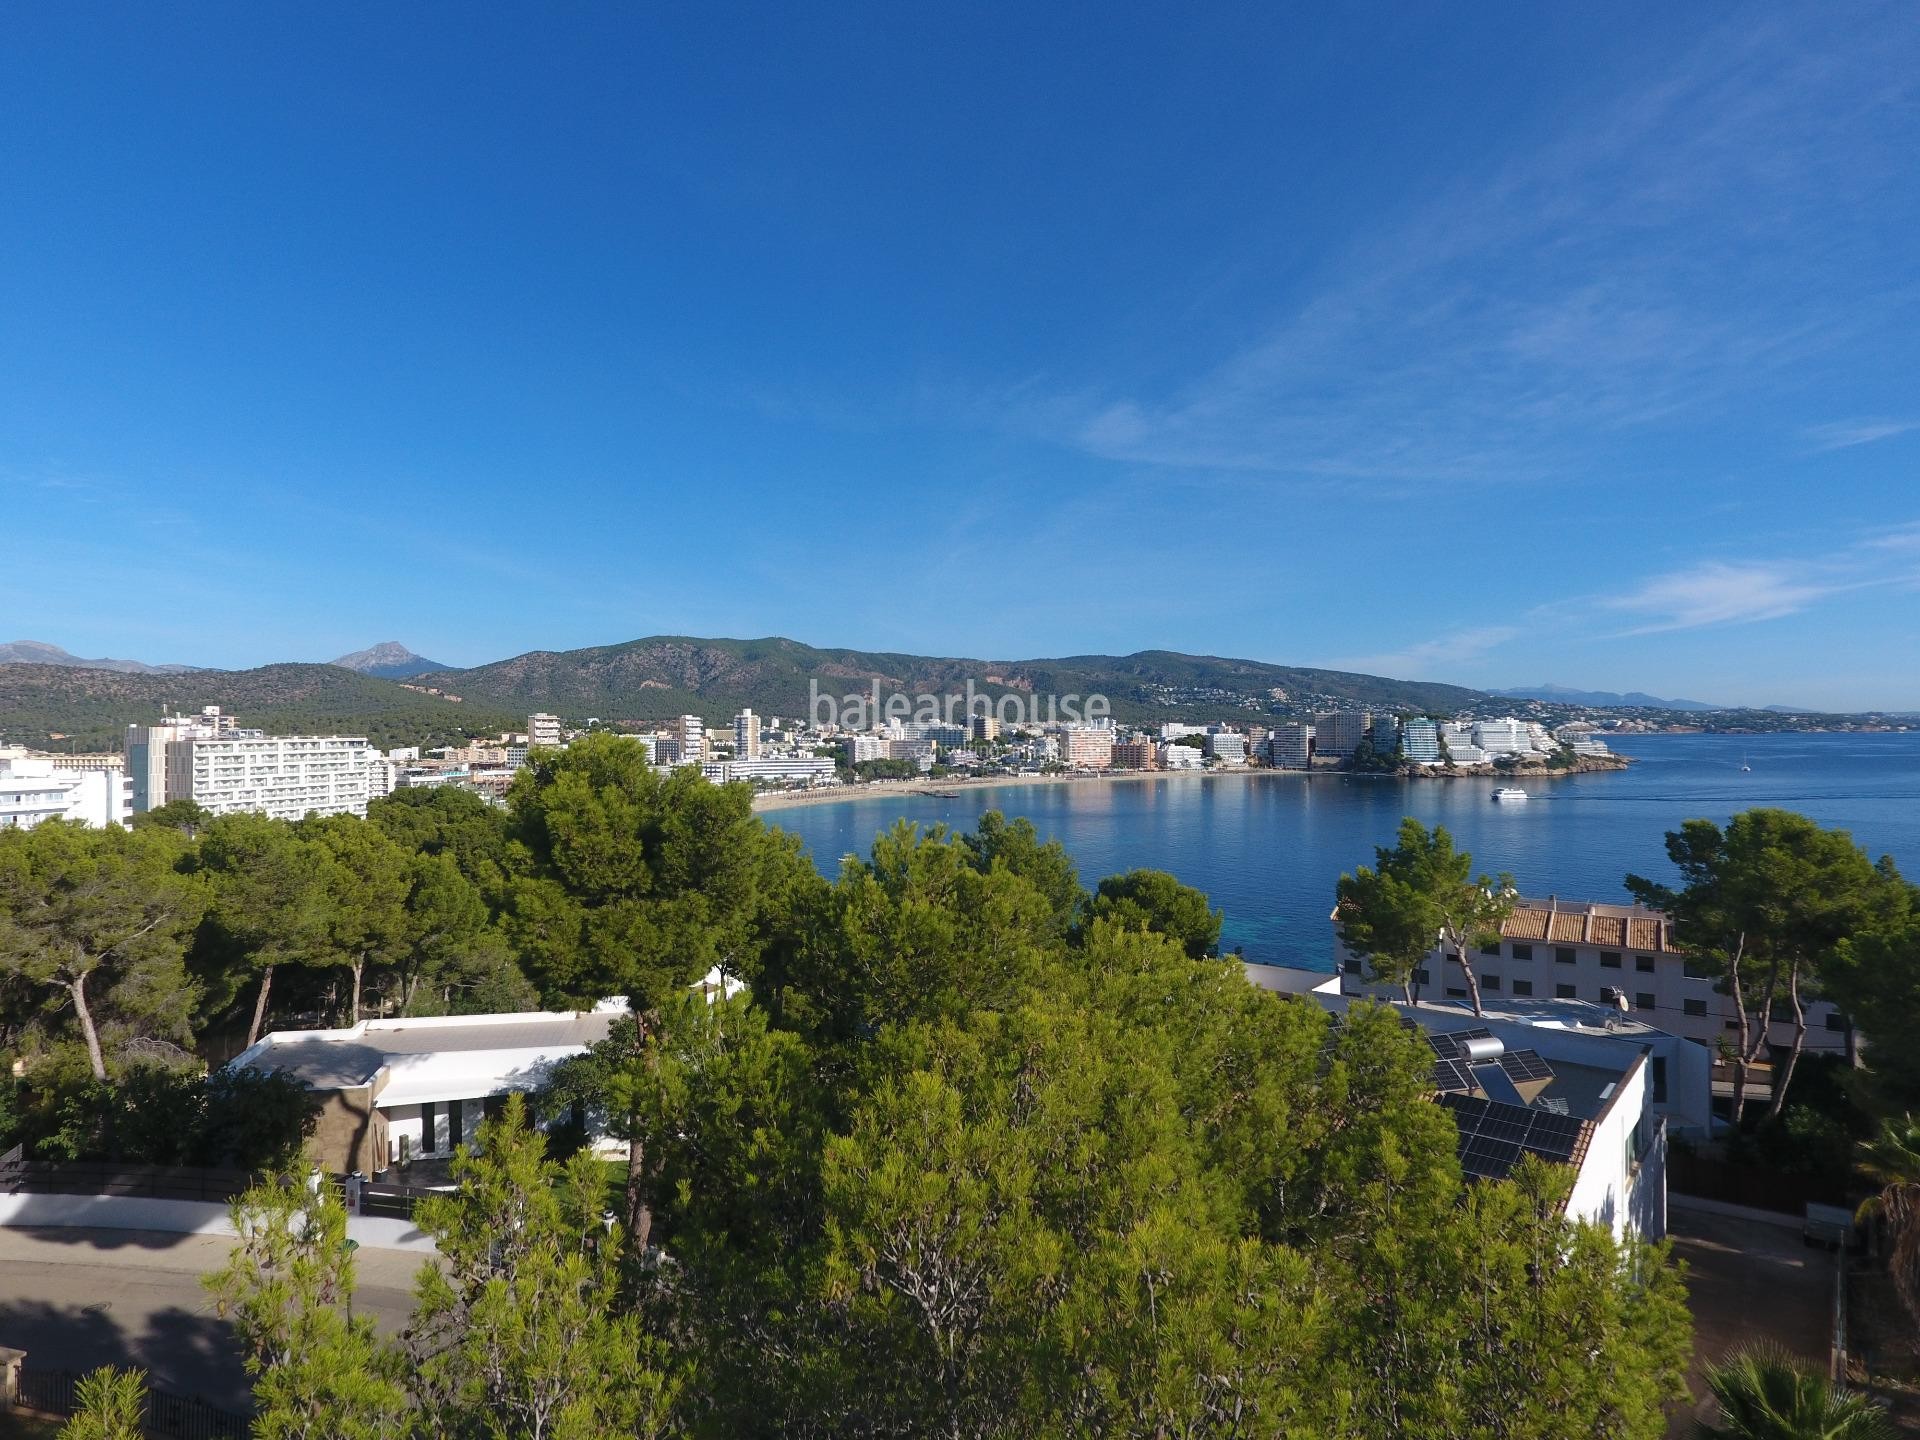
(1712, 1178)
(170, 1416)
(20, 1176)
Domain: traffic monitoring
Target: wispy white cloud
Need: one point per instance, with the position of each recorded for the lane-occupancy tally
(1440, 656)
(1845, 434)
(1661, 258)
(1717, 593)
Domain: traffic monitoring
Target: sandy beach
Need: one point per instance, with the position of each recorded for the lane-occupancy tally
(770, 800)
(887, 789)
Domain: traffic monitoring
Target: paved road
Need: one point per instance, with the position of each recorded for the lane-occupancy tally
(1747, 1283)
(75, 1299)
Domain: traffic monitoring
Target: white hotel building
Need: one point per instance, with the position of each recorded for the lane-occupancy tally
(209, 760)
(53, 787)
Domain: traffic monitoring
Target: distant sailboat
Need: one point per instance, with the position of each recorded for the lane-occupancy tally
(1748, 769)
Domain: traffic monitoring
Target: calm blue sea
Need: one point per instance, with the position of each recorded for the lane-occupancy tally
(1269, 849)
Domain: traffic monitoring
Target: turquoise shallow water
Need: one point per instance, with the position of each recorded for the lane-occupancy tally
(1269, 849)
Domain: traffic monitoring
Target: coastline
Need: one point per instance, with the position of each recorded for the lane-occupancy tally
(768, 801)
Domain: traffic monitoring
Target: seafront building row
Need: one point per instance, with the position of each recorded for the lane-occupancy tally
(209, 758)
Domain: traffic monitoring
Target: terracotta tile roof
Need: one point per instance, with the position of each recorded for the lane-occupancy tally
(1568, 928)
(1645, 934)
(1610, 930)
(1525, 924)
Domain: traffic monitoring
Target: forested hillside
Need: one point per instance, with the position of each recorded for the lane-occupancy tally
(668, 674)
(64, 708)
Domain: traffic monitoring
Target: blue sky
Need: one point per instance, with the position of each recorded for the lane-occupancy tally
(1495, 344)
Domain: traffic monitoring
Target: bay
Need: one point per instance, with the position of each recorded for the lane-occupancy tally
(1268, 848)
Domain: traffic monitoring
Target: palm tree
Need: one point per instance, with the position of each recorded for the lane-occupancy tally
(1892, 1160)
(1765, 1395)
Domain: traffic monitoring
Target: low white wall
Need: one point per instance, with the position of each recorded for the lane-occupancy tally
(179, 1217)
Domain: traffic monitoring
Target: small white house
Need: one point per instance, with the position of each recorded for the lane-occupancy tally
(422, 1083)
(1597, 1101)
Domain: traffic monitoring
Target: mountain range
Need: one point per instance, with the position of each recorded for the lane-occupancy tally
(396, 696)
(381, 692)
(38, 652)
(1613, 699)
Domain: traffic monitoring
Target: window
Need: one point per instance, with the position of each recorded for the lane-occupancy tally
(1523, 952)
(1456, 992)
(1492, 982)
(1609, 959)
(1420, 977)
(1352, 967)
(1659, 1079)
(1523, 987)
(1696, 970)
(1643, 963)
(1563, 954)
(1566, 992)
(1694, 1007)
(427, 1127)
(1643, 1001)
(1493, 949)
(1837, 1021)
(453, 1124)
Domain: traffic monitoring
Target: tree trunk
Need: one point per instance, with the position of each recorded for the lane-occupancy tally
(353, 1015)
(639, 1213)
(407, 988)
(260, 1006)
(78, 989)
(1473, 980)
(1785, 1077)
(1739, 1103)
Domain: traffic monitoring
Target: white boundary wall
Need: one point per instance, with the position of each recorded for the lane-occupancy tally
(179, 1217)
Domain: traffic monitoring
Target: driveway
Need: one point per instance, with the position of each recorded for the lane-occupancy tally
(74, 1299)
(1747, 1282)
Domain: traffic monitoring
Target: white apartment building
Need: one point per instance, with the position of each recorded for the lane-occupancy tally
(146, 750)
(746, 736)
(1086, 747)
(1229, 747)
(544, 729)
(1174, 756)
(1506, 736)
(862, 748)
(1619, 957)
(46, 787)
(783, 769)
(691, 732)
(284, 776)
(1174, 730)
(1462, 748)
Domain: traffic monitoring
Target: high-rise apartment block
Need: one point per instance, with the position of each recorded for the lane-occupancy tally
(691, 732)
(984, 727)
(1339, 732)
(1086, 747)
(1420, 740)
(1290, 747)
(1133, 755)
(544, 729)
(746, 736)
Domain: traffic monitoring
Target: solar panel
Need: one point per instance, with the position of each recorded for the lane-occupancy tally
(1493, 1135)
(1522, 1065)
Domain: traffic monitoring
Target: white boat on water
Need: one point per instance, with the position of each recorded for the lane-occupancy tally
(1509, 792)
